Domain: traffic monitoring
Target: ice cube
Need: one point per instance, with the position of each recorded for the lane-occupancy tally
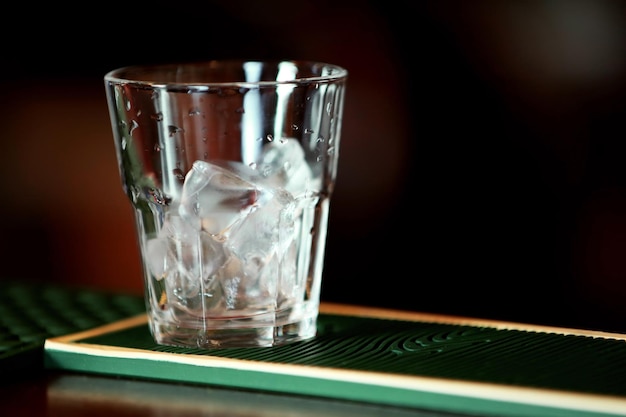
(267, 229)
(284, 165)
(214, 198)
(187, 259)
(264, 243)
(244, 291)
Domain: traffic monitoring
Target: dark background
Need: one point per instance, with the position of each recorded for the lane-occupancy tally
(483, 157)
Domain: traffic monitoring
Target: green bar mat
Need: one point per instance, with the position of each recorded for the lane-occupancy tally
(32, 312)
(400, 359)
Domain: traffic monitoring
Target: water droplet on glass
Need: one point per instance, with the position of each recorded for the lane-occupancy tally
(331, 150)
(308, 131)
(133, 125)
(252, 165)
(329, 108)
(320, 139)
(270, 138)
(157, 147)
(157, 196)
(178, 173)
(194, 111)
(157, 116)
(295, 127)
(173, 130)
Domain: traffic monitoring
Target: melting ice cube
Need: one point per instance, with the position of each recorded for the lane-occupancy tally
(215, 198)
(284, 165)
(187, 258)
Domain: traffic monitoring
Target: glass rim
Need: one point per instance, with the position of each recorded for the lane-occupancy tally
(146, 74)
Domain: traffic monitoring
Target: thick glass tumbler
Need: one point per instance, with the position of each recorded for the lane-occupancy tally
(229, 167)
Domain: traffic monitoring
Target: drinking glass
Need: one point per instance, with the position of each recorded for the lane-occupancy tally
(229, 167)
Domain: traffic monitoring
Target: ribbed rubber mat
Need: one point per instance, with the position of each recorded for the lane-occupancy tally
(378, 348)
(32, 312)
(400, 359)
(483, 354)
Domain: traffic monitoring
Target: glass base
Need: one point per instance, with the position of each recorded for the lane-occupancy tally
(232, 333)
